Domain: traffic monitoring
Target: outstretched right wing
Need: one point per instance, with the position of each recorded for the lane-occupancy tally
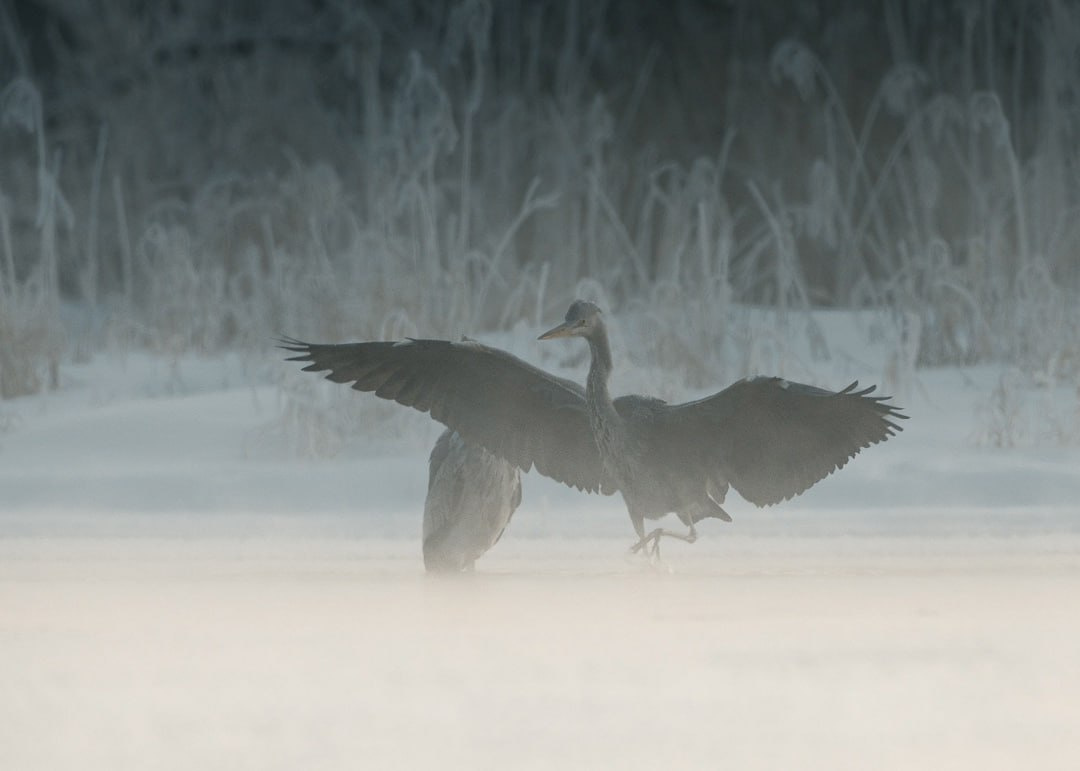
(511, 408)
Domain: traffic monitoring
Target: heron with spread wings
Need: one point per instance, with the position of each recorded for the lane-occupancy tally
(768, 438)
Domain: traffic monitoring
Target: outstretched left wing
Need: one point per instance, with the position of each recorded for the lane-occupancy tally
(772, 439)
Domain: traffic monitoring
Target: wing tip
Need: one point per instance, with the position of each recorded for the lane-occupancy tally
(887, 412)
(291, 344)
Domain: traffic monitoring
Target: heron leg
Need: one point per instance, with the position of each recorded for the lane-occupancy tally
(646, 544)
(639, 527)
(651, 542)
(643, 542)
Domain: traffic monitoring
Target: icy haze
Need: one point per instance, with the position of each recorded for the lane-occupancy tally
(210, 560)
(180, 590)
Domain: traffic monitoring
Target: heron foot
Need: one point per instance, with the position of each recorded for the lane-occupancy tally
(647, 544)
(651, 543)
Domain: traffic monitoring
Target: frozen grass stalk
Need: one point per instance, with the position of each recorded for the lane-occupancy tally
(474, 173)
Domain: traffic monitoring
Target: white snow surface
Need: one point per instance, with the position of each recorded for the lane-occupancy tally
(178, 589)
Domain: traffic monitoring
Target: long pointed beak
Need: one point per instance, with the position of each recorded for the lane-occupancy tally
(563, 330)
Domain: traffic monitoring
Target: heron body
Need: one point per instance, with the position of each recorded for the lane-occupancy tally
(471, 496)
(768, 438)
(631, 448)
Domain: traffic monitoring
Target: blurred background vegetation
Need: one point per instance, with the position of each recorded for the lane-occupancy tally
(198, 176)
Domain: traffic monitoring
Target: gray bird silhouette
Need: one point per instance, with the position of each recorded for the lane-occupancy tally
(768, 438)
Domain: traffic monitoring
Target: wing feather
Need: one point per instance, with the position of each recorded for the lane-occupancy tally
(514, 410)
(772, 439)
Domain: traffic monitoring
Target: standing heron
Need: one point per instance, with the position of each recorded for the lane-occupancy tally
(768, 438)
(471, 496)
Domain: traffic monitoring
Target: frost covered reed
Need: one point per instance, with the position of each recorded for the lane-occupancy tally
(194, 178)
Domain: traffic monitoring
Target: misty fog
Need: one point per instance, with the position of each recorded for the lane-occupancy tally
(211, 559)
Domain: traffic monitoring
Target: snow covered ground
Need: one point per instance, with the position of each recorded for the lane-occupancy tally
(340, 654)
(179, 590)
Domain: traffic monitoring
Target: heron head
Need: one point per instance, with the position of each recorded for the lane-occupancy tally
(581, 320)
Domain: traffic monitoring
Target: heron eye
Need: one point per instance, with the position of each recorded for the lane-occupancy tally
(581, 323)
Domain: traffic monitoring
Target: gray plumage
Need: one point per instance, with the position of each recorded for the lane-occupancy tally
(471, 496)
(768, 438)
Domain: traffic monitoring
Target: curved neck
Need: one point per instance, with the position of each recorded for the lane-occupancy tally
(596, 387)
